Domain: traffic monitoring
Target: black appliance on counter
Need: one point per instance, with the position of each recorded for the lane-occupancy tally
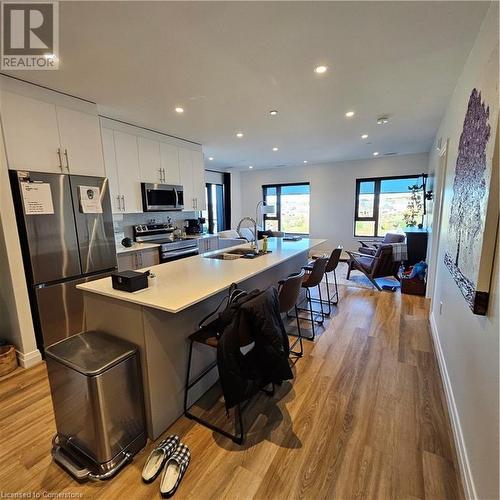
(171, 248)
(194, 226)
(66, 231)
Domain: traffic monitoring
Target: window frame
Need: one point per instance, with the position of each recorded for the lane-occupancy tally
(376, 199)
(278, 187)
(210, 215)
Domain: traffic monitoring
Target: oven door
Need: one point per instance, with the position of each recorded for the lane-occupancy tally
(159, 197)
(172, 255)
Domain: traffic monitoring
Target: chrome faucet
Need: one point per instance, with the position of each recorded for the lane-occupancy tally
(255, 244)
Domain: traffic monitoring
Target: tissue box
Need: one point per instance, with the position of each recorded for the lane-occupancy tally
(129, 281)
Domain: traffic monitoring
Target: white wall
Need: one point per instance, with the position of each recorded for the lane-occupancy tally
(333, 188)
(235, 198)
(468, 345)
(16, 325)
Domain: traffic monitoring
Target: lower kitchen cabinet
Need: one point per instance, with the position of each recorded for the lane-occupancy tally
(138, 259)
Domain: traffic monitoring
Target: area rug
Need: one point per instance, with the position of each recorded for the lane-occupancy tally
(359, 280)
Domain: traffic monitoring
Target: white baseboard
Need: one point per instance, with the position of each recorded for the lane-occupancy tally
(29, 359)
(463, 461)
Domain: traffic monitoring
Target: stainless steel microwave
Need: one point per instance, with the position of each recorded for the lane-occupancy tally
(161, 197)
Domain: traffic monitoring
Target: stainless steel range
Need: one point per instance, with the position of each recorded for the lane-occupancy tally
(171, 247)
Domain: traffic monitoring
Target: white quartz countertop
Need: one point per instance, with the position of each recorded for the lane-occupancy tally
(136, 247)
(182, 283)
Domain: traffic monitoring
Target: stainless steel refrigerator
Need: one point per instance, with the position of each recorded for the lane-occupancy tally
(66, 231)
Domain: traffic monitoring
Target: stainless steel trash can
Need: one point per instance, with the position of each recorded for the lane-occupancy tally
(96, 386)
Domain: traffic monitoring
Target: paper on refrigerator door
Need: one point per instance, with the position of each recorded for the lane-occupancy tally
(37, 198)
(90, 200)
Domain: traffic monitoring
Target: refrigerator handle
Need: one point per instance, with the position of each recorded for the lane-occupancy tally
(60, 158)
(67, 159)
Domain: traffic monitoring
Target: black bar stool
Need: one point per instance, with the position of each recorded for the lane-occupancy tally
(331, 267)
(208, 337)
(288, 295)
(313, 277)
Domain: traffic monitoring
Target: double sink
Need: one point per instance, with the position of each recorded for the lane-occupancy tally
(236, 253)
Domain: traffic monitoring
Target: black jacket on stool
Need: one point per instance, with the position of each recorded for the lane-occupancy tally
(255, 317)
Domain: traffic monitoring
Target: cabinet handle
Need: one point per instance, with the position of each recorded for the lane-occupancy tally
(161, 177)
(123, 200)
(119, 204)
(164, 176)
(60, 158)
(67, 159)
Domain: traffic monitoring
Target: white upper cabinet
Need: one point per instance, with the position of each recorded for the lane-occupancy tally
(133, 155)
(192, 173)
(80, 142)
(46, 137)
(169, 156)
(186, 175)
(149, 160)
(31, 133)
(129, 177)
(199, 180)
(108, 149)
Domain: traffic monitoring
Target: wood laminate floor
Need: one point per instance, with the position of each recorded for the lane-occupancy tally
(364, 418)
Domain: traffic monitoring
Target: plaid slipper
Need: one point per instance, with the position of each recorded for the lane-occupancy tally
(174, 470)
(158, 457)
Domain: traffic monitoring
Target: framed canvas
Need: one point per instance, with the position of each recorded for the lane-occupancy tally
(473, 217)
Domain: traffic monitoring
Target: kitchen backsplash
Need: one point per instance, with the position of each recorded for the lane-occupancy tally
(124, 223)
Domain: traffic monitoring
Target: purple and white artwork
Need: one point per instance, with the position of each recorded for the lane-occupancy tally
(464, 255)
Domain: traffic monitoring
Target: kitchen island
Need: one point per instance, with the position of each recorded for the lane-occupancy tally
(160, 318)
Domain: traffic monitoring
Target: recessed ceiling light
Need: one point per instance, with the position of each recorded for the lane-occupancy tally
(349, 114)
(275, 148)
(305, 161)
(364, 136)
(382, 120)
(320, 69)
(178, 109)
(376, 153)
(211, 158)
(239, 134)
(273, 112)
(250, 166)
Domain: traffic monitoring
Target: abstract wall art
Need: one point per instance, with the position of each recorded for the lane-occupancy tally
(473, 216)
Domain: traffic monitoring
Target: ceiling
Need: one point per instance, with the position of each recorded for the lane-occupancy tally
(229, 63)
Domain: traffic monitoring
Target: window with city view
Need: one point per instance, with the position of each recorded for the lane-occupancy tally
(291, 208)
(387, 204)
